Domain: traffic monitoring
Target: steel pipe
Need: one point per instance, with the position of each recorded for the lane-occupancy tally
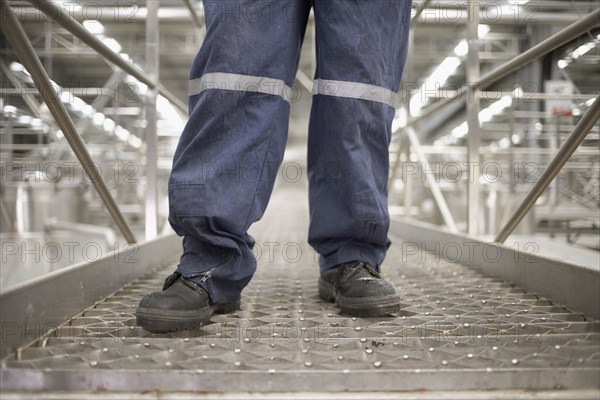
(151, 173)
(57, 14)
(571, 32)
(20, 42)
(581, 130)
(473, 108)
(304, 80)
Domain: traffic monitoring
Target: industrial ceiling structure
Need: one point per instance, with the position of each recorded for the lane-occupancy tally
(517, 113)
(508, 28)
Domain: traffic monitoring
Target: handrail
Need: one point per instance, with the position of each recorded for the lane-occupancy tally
(589, 119)
(562, 37)
(57, 14)
(20, 42)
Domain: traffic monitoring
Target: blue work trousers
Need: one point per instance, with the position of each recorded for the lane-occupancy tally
(241, 87)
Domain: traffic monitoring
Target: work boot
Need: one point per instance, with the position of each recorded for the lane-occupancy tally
(359, 290)
(180, 305)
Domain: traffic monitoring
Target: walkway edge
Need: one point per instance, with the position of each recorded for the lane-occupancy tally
(572, 286)
(32, 309)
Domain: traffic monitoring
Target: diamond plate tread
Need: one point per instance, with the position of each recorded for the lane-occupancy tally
(453, 319)
(283, 325)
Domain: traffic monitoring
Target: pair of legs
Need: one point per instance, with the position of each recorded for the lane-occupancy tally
(240, 94)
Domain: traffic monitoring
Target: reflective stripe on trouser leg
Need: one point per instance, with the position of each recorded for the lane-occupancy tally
(227, 157)
(361, 51)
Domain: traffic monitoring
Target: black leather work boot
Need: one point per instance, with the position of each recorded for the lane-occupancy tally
(180, 305)
(359, 290)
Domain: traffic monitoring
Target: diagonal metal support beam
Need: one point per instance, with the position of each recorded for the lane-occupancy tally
(304, 80)
(433, 185)
(415, 19)
(20, 42)
(196, 19)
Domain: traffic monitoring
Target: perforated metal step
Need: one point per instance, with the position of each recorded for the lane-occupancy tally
(458, 330)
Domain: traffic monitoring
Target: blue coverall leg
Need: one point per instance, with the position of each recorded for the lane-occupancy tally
(240, 92)
(361, 52)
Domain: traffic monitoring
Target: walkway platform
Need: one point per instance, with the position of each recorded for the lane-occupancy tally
(460, 334)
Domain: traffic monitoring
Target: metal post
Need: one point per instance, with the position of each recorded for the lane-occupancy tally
(408, 187)
(57, 14)
(396, 163)
(474, 137)
(152, 69)
(581, 130)
(7, 139)
(507, 207)
(554, 145)
(403, 146)
(48, 48)
(407, 76)
(20, 42)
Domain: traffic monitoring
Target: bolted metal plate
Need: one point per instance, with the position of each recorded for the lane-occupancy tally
(457, 330)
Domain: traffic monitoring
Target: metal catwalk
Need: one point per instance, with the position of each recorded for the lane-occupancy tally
(458, 331)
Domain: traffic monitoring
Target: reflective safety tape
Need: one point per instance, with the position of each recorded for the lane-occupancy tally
(355, 90)
(277, 87)
(240, 83)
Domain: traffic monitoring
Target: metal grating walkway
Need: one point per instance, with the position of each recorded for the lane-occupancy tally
(458, 330)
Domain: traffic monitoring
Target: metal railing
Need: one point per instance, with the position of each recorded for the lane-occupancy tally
(584, 126)
(22, 45)
(591, 117)
(20, 42)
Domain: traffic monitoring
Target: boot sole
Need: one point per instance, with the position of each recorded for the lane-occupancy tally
(374, 306)
(164, 321)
